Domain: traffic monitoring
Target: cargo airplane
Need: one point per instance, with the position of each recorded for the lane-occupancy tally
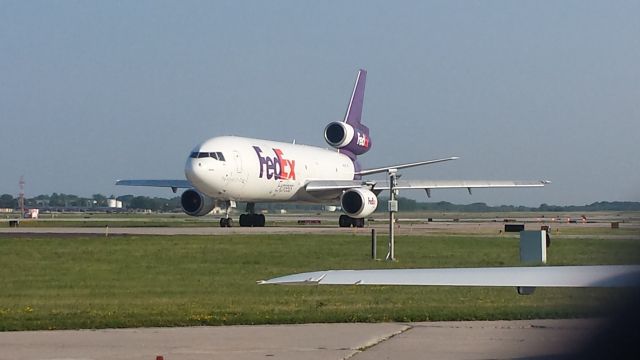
(230, 169)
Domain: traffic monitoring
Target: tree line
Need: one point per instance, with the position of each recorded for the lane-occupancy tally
(96, 201)
(61, 200)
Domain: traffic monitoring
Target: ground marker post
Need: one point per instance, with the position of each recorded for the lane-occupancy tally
(374, 244)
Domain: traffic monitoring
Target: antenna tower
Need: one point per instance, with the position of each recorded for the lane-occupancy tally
(21, 196)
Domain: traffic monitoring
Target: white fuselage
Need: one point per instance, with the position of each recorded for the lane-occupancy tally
(255, 170)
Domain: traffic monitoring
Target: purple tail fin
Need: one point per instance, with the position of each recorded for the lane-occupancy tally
(354, 110)
(350, 136)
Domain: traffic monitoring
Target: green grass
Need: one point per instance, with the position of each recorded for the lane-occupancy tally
(597, 231)
(113, 223)
(58, 282)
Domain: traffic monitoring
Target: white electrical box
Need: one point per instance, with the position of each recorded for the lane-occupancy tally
(393, 205)
(533, 247)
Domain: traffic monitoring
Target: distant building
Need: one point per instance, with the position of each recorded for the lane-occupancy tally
(32, 214)
(5, 210)
(113, 203)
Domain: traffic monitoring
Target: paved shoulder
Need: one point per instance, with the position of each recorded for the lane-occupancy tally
(486, 340)
(309, 341)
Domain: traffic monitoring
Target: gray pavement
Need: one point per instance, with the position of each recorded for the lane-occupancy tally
(481, 229)
(437, 340)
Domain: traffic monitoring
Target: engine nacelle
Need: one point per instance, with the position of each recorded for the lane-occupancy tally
(359, 202)
(196, 204)
(341, 135)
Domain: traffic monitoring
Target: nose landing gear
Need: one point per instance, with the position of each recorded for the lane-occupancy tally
(227, 221)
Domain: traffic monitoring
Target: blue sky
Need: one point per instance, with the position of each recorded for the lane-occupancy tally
(91, 92)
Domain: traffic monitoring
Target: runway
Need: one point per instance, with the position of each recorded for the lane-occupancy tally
(440, 228)
(437, 340)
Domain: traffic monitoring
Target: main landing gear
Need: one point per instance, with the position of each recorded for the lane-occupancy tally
(251, 219)
(348, 221)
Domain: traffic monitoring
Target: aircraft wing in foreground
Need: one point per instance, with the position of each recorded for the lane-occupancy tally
(525, 279)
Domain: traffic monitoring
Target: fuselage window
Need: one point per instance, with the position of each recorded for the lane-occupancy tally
(220, 156)
(213, 155)
(203, 155)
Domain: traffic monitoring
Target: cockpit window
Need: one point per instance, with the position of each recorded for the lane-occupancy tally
(200, 155)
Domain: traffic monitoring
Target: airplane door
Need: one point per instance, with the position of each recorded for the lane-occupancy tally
(238, 161)
(239, 176)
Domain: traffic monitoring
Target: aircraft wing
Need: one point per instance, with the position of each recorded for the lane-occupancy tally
(174, 184)
(325, 185)
(541, 276)
(469, 184)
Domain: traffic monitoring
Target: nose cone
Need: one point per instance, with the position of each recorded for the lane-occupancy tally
(193, 172)
(196, 169)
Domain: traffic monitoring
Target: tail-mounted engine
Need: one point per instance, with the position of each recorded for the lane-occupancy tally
(359, 202)
(196, 204)
(346, 137)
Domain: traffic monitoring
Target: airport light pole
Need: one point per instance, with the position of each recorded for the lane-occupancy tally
(393, 208)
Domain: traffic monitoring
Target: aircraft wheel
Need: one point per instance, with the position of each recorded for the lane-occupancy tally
(358, 222)
(245, 220)
(344, 221)
(261, 220)
(226, 222)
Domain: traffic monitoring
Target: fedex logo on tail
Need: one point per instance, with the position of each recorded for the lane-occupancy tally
(277, 167)
(363, 140)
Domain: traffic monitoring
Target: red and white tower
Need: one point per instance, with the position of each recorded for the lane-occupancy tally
(21, 196)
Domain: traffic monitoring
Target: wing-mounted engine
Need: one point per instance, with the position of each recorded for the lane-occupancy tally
(196, 204)
(348, 138)
(359, 202)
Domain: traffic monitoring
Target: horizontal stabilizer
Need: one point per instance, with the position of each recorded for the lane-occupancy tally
(403, 166)
(541, 276)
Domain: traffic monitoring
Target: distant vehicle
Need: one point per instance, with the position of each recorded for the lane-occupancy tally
(228, 169)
